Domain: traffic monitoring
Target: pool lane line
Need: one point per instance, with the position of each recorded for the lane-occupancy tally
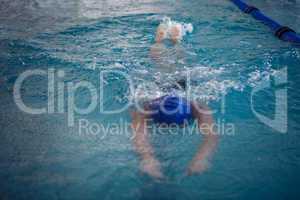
(282, 32)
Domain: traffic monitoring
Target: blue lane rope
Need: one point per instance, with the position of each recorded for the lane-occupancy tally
(282, 32)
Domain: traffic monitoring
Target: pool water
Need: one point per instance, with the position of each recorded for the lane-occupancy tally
(229, 55)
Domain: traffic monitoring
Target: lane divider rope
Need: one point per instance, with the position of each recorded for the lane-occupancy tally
(282, 32)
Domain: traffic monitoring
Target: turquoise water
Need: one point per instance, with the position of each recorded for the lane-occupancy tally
(228, 55)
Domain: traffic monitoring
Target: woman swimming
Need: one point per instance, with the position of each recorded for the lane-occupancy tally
(172, 109)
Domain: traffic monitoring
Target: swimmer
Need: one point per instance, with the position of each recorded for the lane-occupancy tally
(172, 109)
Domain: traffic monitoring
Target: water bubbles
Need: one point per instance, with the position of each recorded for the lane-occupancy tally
(258, 76)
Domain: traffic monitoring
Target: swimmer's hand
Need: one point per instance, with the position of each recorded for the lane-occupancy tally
(151, 167)
(200, 162)
(197, 167)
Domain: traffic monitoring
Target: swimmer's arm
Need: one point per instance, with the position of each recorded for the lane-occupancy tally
(205, 122)
(149, 164)
(140, 139)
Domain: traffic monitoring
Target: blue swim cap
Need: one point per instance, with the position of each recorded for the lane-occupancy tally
(170, 109)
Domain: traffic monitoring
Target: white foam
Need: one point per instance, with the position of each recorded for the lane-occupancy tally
(207, 84)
